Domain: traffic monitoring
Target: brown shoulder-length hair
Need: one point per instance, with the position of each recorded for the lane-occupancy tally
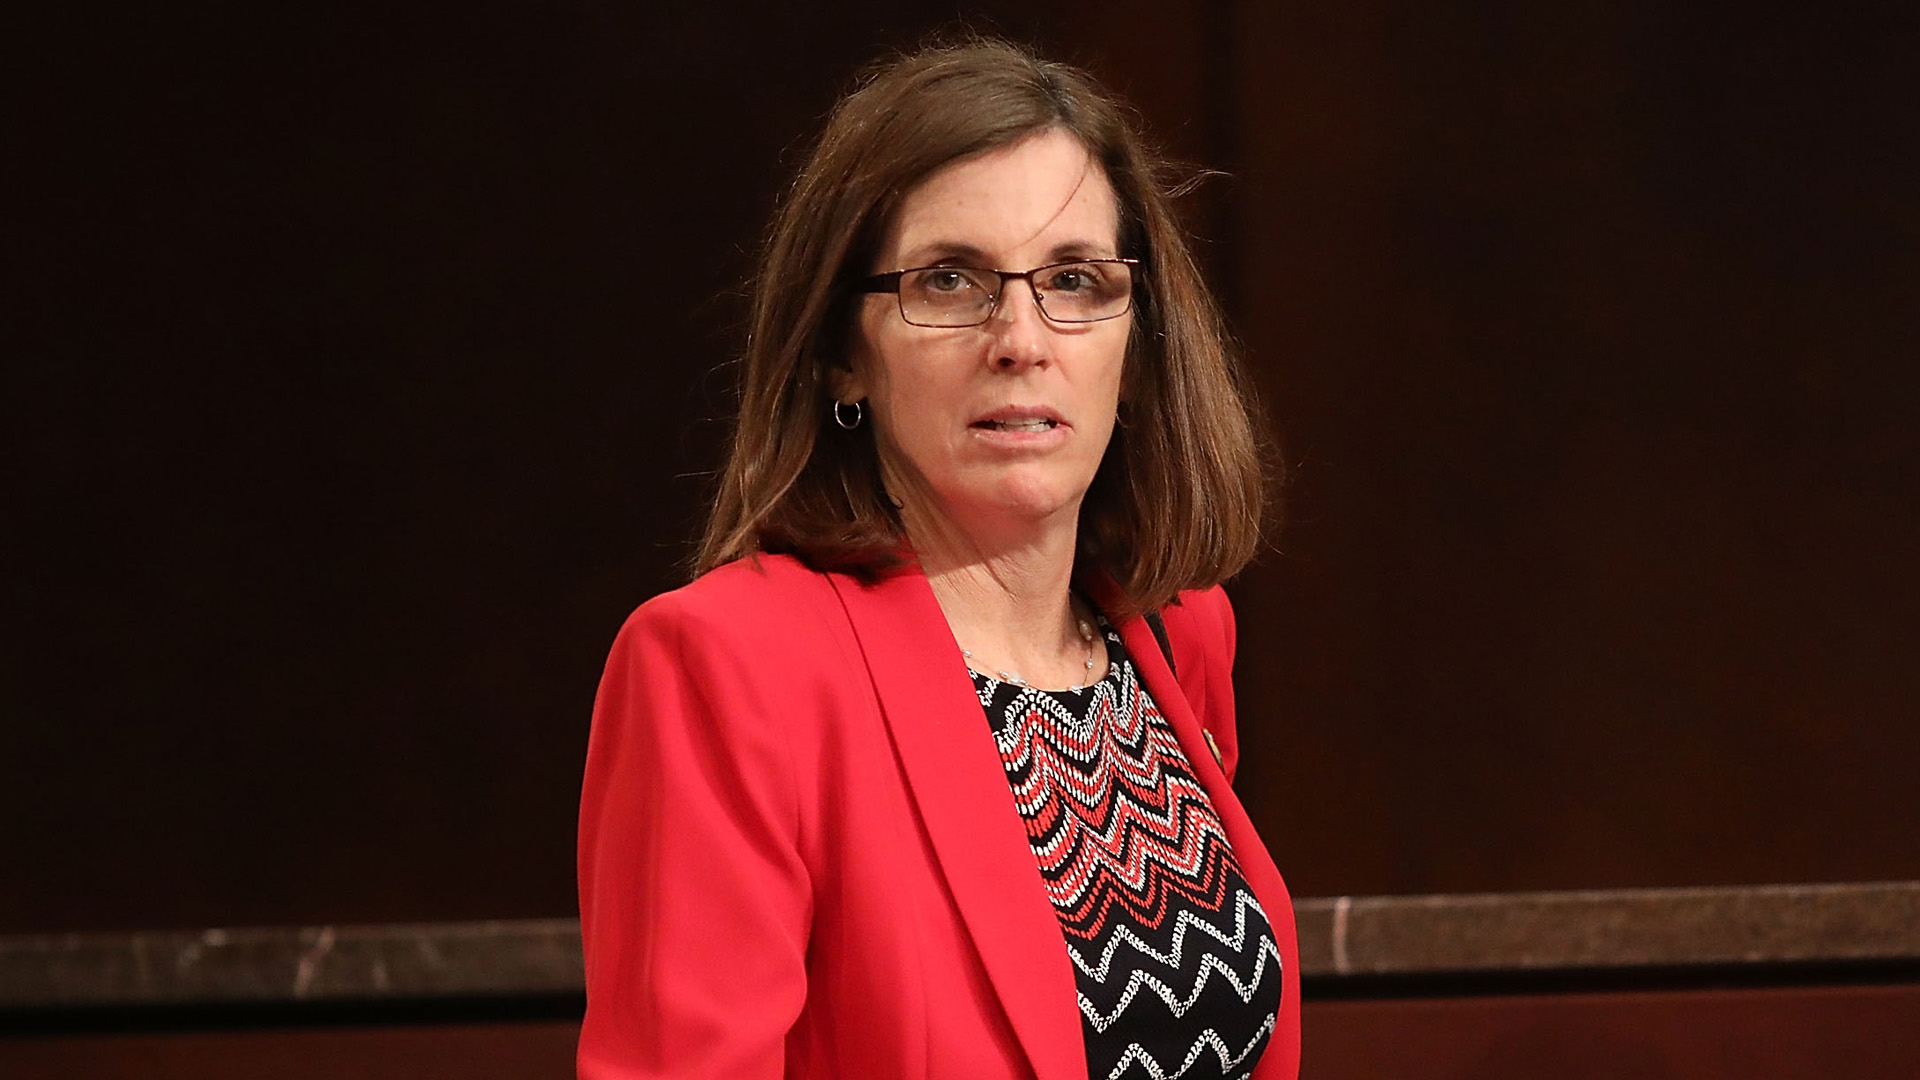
(1178, 499)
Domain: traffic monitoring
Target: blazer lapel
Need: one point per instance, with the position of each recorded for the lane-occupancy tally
(960, 786)
(1255, 861)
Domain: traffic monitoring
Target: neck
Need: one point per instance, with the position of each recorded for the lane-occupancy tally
(1018, 600)
(1007, 592)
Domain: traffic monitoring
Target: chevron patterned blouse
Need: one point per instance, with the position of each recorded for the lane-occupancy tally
(1177, 968)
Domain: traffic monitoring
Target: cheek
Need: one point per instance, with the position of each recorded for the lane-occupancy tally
(917, 382)
(918, 418)
(911, 408)
(1114, 370)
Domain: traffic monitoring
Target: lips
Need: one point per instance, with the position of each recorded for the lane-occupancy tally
(1036, 423)
(1019, 420)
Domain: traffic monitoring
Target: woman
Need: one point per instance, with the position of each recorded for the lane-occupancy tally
(905, 784)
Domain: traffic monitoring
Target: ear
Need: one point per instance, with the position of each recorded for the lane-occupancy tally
(845, 386)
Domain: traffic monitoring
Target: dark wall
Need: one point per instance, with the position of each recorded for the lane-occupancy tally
(367, 367)
(1591, 330)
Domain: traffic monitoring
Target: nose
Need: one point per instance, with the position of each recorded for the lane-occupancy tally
(1022, 337)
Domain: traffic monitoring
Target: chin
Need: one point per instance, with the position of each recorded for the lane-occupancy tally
(1035, 498)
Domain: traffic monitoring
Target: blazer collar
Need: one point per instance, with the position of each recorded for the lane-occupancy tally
(960, 786)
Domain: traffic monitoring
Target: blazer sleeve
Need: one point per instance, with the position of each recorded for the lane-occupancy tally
(695, 904)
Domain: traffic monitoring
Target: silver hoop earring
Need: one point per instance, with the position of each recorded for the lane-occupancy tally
(859, 414)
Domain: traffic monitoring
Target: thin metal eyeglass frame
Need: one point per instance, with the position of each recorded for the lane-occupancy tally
(889, 282)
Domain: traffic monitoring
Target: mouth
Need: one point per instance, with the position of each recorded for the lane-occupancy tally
(1019, 420)
(1023, 423)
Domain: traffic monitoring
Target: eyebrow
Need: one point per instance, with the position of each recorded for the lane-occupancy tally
(956, 253)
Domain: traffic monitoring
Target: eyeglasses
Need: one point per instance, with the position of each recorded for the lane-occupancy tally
(1081, 291)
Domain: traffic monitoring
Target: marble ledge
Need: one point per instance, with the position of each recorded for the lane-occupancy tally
(1613, 929)
(1339, 936)
(509, 958)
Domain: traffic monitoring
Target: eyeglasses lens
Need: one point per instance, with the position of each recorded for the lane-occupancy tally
(947, 296)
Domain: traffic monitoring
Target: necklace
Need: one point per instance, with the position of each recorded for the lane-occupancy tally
(1013, 677)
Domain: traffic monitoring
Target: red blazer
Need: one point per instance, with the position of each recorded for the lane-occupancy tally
(799, 856)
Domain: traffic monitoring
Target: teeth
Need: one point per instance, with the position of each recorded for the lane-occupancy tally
(1036, 424)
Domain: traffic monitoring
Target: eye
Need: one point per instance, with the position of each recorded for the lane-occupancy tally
(947, 281)
(1076, 277)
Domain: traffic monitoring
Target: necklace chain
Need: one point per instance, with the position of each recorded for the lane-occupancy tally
(1013, 678)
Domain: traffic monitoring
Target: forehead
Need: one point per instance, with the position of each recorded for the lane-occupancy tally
(1018, 204)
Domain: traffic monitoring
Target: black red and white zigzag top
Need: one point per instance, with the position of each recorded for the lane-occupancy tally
(1177, 968)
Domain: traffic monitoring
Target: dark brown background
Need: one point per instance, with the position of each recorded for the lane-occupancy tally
(364, 365)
